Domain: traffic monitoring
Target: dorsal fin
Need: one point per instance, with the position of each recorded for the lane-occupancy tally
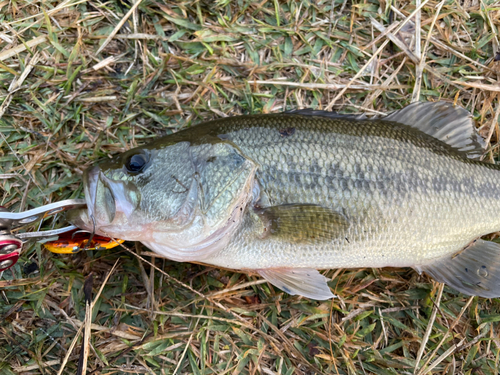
(450, 124)
(444, 121)
(317, 112)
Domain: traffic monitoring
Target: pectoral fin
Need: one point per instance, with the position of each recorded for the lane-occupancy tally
(306, 282)
(303, 223)
(473, 271)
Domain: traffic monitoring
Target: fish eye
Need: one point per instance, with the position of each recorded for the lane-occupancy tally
(137, 162)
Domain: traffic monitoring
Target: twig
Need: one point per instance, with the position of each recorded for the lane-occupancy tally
(104, 283)
(70, 350)
(17, 82)
(420, 67)
(51, 12)
(14, 86)
(119, 26)
(238, 287)
(329, 86)
(73, 343)
(360, 72)
(412, 56)
(129, 349)
(146, 281)
(423, 369)
(494, 122)
(187, 286)
(20, 48)
(430, 325)
(480, 86)
(370, 98)
(24, 369)
(440, 359)
(179, 361)
(84, 353)
(417, 30)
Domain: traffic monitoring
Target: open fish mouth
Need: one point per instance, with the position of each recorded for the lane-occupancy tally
(101, 203)
(90, 180)
(108, 198)
(84, 218)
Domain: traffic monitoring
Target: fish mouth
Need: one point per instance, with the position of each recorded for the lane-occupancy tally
(101, 202)
(84, 218)
(90, 181)
(108, 199)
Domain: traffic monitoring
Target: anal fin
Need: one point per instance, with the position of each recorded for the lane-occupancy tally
(474, 271)
(306, 282)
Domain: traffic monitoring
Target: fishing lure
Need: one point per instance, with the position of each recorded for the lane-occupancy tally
(63, 240)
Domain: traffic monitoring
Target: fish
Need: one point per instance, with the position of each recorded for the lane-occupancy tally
(286, 195)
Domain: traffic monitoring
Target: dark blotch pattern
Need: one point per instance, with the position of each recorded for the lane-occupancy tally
(286, 132)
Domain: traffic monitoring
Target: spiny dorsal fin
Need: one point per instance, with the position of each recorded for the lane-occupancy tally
(306, 282)
(303, 223)
(473, 271)
(444, 121)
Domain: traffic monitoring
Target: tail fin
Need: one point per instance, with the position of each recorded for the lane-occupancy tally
(474, 271)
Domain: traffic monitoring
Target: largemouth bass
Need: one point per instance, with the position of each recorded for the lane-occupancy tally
(287, 194)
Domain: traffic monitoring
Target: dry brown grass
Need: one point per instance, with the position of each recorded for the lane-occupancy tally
(84, 79)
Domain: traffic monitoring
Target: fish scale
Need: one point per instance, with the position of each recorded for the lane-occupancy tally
(403, 228)
(287, 194)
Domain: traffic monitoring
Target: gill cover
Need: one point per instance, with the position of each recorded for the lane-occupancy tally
(223, 179)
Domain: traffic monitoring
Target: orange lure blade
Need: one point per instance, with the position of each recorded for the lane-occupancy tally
(74, 241)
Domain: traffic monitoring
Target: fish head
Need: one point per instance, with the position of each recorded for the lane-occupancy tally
(141, 189)
(181, 199)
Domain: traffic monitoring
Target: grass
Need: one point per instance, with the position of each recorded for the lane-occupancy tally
(81, 80)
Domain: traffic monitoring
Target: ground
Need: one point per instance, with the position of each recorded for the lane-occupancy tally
(81, 80)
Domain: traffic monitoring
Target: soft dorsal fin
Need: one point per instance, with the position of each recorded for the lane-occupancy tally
(450, 124)
(444, 121)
